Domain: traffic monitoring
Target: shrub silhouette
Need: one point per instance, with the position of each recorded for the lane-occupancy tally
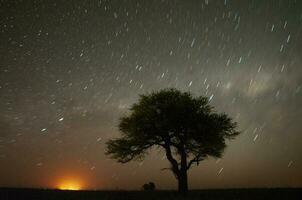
(149, 186)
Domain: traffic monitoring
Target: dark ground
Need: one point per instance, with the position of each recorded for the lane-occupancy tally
(234, 194)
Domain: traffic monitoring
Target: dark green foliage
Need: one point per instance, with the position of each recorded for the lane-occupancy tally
(186, 127)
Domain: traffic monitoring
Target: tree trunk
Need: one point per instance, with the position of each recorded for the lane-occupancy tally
(183, 176)
(179, 172)
(183, 182)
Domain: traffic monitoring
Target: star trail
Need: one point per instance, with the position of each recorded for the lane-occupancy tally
(70, 70)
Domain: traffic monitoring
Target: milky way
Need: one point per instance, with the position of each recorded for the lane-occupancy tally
(69, 70)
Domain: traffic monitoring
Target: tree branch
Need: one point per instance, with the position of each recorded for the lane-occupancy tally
(173, 162)
(196, 159)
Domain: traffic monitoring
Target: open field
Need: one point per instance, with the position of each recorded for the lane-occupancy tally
(32, 194)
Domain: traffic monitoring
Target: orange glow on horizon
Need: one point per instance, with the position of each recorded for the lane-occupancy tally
(70, 184)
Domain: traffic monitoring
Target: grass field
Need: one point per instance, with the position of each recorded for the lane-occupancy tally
(234, 194)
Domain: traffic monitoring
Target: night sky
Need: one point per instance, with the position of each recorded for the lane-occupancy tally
(70, 69)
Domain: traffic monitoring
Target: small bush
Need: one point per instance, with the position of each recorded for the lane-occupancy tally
(149, 186)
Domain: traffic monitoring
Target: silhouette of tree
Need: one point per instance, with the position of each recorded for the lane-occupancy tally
(186, 127)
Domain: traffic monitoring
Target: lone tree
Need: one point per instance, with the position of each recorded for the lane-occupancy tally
(186, 127)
